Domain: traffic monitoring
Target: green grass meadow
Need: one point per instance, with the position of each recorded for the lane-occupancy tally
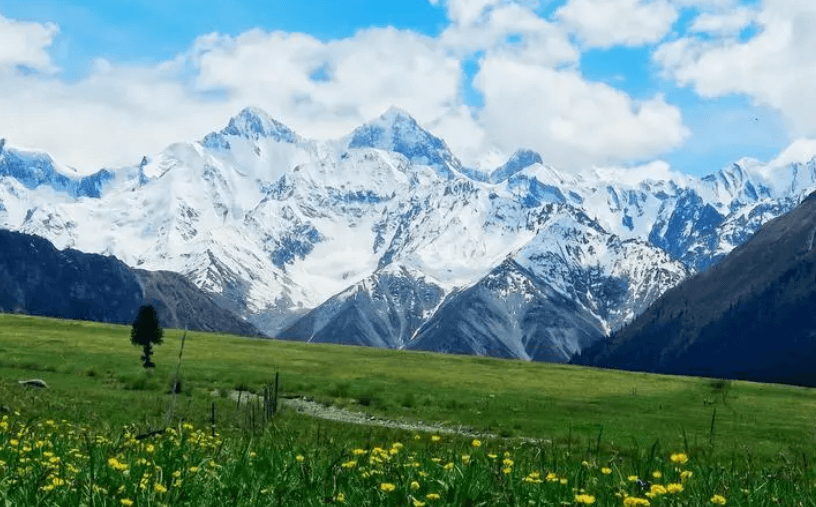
(571, 434)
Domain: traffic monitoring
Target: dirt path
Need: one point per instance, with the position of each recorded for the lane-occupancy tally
(332, 413)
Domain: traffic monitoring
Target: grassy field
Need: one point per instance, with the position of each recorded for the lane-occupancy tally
(607, 438)
(95, 375)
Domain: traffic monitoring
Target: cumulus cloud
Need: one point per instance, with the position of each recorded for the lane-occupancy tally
(775, 67)
(25, 44)
(534, 94)
(723, 23)
(801, 150)
(572, 122)
(607, 23)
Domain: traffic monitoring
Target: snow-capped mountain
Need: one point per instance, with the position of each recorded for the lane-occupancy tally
(382, 237)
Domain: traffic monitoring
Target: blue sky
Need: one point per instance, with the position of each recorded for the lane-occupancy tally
(487, 75)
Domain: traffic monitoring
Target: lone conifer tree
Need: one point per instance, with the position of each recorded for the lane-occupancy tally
(145, 332)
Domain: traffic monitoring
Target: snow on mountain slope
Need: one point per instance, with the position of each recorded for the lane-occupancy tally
(381, 233)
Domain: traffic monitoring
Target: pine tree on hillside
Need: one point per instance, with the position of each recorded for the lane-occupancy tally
(146, 331)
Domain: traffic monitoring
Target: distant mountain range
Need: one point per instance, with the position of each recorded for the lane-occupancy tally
(752, 316)
(384, 238)
(38, 279)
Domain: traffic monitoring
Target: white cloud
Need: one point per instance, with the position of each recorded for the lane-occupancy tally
(534, 94)
(515, 30)
(607, 23)
(801, 150)
(724, 23)
(570, 121)
(776, 67)
(26, 44)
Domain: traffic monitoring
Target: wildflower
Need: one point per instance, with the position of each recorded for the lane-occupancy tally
(349, 464)
(718, 500)
(584, 499)
(448, 466)
(632, 478)
(685, 475)
(674, 488)
(159, 488)
(150, 449)
(551, 477)
(417, 437)
(465, 459)
(657, 489)
(358, 452)
(632, 501)
(563, 481)
(299, 458)
(507, 470)
(492, 456)
(679, 458)
(397, 445)
(253, 454)
(507, 462)
(340, 497)
(387, 487)
(657, 474)
(414, 485)
(435, 438)
(432, 496)
(417, 503)
(126, 502)
(476, 443)
(606, 470)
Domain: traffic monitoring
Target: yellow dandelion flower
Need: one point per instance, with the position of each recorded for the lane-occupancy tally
(435, 438)
(507, 462)
(606, 470)
(633, 501)
(150, 449)
(387, 487)
(193, 470)
(127, 502)
(674, 488)
(299, 458)
(492, 456)
(507, 470)
(414, 485)
(397, 445)
(551, 477)
(718, 500)
(657, 474)
(349, 464)
(584, 499)
(632, 478)
(686, 475)
(358, 452)
(417, 503)
(657, 489)
(563, 481)
(448, 466)
(159, 488)
(465, 459)
(476, 443)
(432, 496)
(340, 497)
(679, 458)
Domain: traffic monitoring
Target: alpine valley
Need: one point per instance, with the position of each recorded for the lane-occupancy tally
(383, 237)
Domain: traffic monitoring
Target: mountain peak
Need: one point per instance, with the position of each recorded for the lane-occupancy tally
(255, 123)
(520, 160)
(396, 130)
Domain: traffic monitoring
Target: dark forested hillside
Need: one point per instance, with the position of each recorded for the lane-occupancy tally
(753, 316)
(38, 279)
